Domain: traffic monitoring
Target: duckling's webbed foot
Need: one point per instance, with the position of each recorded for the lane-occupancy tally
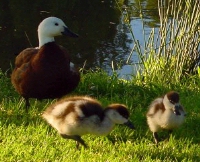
(155, 135)
(77, 138)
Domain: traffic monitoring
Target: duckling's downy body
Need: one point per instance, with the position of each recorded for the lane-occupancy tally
(165, 113)
(45, 72)
(79, 115)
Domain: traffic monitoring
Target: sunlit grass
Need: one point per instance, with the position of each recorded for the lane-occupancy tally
(26, 137)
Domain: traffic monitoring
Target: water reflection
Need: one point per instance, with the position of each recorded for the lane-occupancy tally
(104, 36)
(149, 10)
(143, 16)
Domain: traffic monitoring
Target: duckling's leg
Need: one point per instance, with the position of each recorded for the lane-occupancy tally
(170, 132)
(155, 135)
(76, 138)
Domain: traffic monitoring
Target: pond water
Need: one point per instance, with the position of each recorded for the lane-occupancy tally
(103, 34)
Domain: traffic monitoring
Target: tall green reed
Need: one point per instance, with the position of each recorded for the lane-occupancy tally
(171, 54)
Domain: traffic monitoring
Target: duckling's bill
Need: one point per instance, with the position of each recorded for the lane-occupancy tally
(129, 124)
(176, 109)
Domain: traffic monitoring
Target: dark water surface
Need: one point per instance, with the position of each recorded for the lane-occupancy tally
(104, 36)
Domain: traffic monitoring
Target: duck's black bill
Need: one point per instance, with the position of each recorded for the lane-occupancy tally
(129, 124)
(69, 33)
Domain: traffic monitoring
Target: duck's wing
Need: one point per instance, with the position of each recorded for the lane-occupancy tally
(25, 56)
(155, 106)
(22, 64)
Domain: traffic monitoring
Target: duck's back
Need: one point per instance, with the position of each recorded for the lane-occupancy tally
(75, 115)
(44, 73)
(83, 107)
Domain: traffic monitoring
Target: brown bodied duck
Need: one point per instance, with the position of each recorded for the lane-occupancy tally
(46, 72)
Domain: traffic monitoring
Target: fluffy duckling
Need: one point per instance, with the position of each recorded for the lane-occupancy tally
(165, 113)
(75, 116)
(45, 72)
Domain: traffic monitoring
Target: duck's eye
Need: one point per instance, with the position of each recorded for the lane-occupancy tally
(56, 24)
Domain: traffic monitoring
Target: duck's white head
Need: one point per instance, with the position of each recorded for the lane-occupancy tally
(50, 28)
(119, 114)
(171, 101)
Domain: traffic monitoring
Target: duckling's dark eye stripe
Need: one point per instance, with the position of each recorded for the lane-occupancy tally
(124, 113)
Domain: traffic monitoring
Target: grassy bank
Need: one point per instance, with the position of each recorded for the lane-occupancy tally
(26, 137)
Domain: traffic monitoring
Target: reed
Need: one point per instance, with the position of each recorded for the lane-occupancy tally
(173, 53)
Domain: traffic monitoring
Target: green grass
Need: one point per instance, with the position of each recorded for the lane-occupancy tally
(27, 137)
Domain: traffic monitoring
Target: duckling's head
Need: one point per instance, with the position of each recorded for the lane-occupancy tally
(119, 114)
(171, 101)
(51, 27)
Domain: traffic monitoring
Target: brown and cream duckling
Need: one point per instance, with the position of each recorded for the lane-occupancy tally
(45, 72)
(165, 113)
(75, 116)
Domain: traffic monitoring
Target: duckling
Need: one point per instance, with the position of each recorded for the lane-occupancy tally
(75, 116)
(45, 72)
(165, 113)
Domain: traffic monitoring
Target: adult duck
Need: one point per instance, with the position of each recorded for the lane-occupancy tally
(45, 72)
